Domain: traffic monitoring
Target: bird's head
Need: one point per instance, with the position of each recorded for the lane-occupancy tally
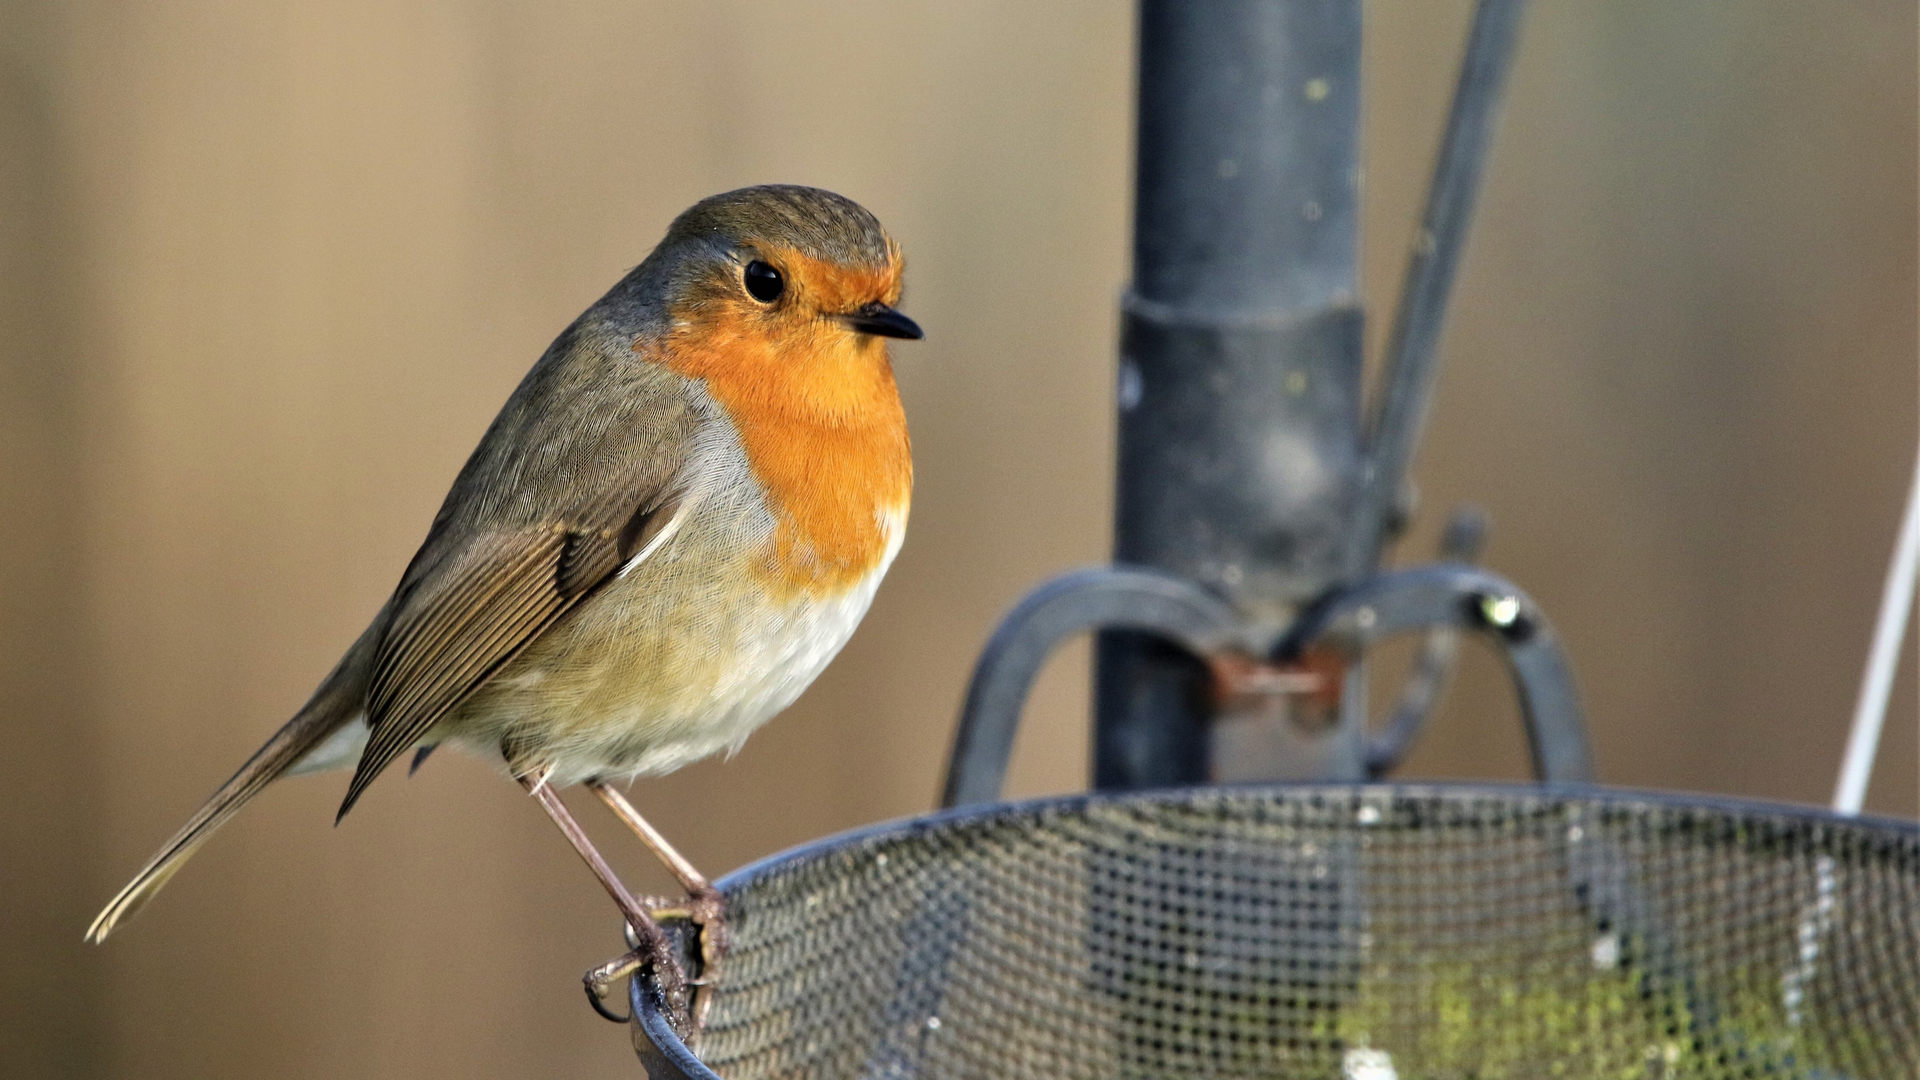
(787, 293)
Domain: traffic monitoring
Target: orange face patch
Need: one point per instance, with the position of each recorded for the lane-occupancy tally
(834, 287)
(817, 413)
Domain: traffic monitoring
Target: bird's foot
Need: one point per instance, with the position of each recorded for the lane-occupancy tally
(652, 952)
(706, 910)
(687, 998)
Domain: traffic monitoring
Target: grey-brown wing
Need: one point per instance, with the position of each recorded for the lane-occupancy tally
(535, 522)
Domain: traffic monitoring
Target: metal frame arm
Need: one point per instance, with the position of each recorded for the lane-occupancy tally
(1102, 598)
(1468, 598)
(1461, 543)
(1411, 364)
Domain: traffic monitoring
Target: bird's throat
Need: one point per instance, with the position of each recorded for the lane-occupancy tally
(827, 440)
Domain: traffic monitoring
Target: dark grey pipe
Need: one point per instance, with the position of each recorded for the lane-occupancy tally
(1239, 444)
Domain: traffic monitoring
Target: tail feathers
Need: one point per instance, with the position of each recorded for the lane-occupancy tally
(337, 702)
(286, 746)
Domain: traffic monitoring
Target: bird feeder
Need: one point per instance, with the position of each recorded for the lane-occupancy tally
(1320, 923)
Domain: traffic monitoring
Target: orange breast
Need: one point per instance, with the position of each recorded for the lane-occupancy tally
(819, 418)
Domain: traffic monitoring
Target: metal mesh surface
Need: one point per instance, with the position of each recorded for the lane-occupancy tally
(1352, 932)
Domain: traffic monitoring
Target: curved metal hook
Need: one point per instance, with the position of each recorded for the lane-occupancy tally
(1104, 598)
(1469, 598)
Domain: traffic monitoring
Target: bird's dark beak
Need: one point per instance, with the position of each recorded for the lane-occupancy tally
(883, 321)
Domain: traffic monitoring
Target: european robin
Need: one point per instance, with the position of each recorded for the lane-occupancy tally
(673, 525)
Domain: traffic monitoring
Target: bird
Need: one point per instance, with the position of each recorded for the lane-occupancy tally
(673, 525)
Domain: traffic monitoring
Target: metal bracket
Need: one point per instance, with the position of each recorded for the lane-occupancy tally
(1442, 599)
(1467, 598)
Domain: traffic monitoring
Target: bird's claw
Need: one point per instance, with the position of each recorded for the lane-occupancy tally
(687, 998)
(601, 981)
(656, 956)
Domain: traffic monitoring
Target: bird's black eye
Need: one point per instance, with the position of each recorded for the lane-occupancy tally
(764, 282)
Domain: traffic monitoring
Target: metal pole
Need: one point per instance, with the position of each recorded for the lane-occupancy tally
(1239, 441)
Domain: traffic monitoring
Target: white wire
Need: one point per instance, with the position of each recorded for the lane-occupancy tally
(1883, 658)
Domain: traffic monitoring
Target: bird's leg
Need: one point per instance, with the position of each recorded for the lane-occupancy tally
(683, 871)
(704, 907)
(652, 947)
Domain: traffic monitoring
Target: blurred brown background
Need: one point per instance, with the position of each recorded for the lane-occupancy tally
(266, 271)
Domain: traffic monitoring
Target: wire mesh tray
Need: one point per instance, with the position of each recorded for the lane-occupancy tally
(1363, 932)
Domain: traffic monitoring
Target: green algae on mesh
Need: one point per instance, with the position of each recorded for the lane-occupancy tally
(1453, 1020)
